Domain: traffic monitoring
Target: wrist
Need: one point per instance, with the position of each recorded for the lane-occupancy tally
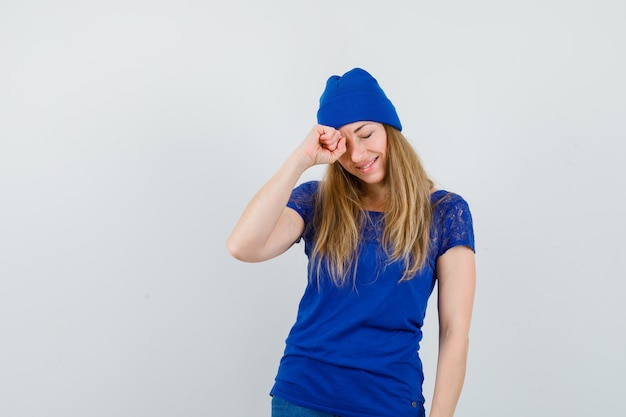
(300, 161)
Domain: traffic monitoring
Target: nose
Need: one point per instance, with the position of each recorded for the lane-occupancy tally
(356, 150)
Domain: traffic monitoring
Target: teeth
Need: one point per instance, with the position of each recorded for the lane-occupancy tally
(369, 164)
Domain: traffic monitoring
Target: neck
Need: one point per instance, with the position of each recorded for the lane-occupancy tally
(374, 197)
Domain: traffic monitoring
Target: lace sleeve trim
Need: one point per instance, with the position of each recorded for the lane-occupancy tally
(453, 226)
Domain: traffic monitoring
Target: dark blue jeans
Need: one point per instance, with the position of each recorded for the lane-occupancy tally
(282, 408)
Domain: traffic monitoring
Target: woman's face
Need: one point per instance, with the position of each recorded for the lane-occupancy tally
(366, 151)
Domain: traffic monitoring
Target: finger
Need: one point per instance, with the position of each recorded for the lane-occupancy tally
(329, 143)
(326, 132)
(341, 145)
(340, 149)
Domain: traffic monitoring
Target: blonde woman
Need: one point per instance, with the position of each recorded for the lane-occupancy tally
(378, 237)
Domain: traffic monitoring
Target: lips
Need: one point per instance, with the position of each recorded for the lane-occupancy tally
(367, 166)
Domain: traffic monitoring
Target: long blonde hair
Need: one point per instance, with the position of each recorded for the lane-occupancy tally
(339, 214)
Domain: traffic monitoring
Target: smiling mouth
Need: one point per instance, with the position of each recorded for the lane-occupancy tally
(368, 165)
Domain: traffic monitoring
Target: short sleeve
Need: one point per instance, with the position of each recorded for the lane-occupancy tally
(302, 200)
(453, 223)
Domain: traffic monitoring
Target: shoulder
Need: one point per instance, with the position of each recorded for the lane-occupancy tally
(452, 223)
(302, 198)
(444, 201)
(308, 187)
(305, 191)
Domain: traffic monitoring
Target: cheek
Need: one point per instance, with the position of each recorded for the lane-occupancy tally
(382, 145)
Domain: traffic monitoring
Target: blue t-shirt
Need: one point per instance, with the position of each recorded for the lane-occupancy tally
(353, 351)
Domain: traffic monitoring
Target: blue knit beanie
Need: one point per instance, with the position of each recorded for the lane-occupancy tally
(355, 96)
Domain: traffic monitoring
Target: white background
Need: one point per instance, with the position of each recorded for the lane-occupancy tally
(133, 133)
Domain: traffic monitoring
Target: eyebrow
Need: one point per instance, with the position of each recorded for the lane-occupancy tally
(361, 127)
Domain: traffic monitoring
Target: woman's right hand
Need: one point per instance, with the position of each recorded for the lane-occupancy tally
(323, 145)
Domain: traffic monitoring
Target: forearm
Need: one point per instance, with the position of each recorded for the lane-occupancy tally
(266, 228)
(451, 367)
(263, 212)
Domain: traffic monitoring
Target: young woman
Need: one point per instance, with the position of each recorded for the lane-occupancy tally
(377, 235)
